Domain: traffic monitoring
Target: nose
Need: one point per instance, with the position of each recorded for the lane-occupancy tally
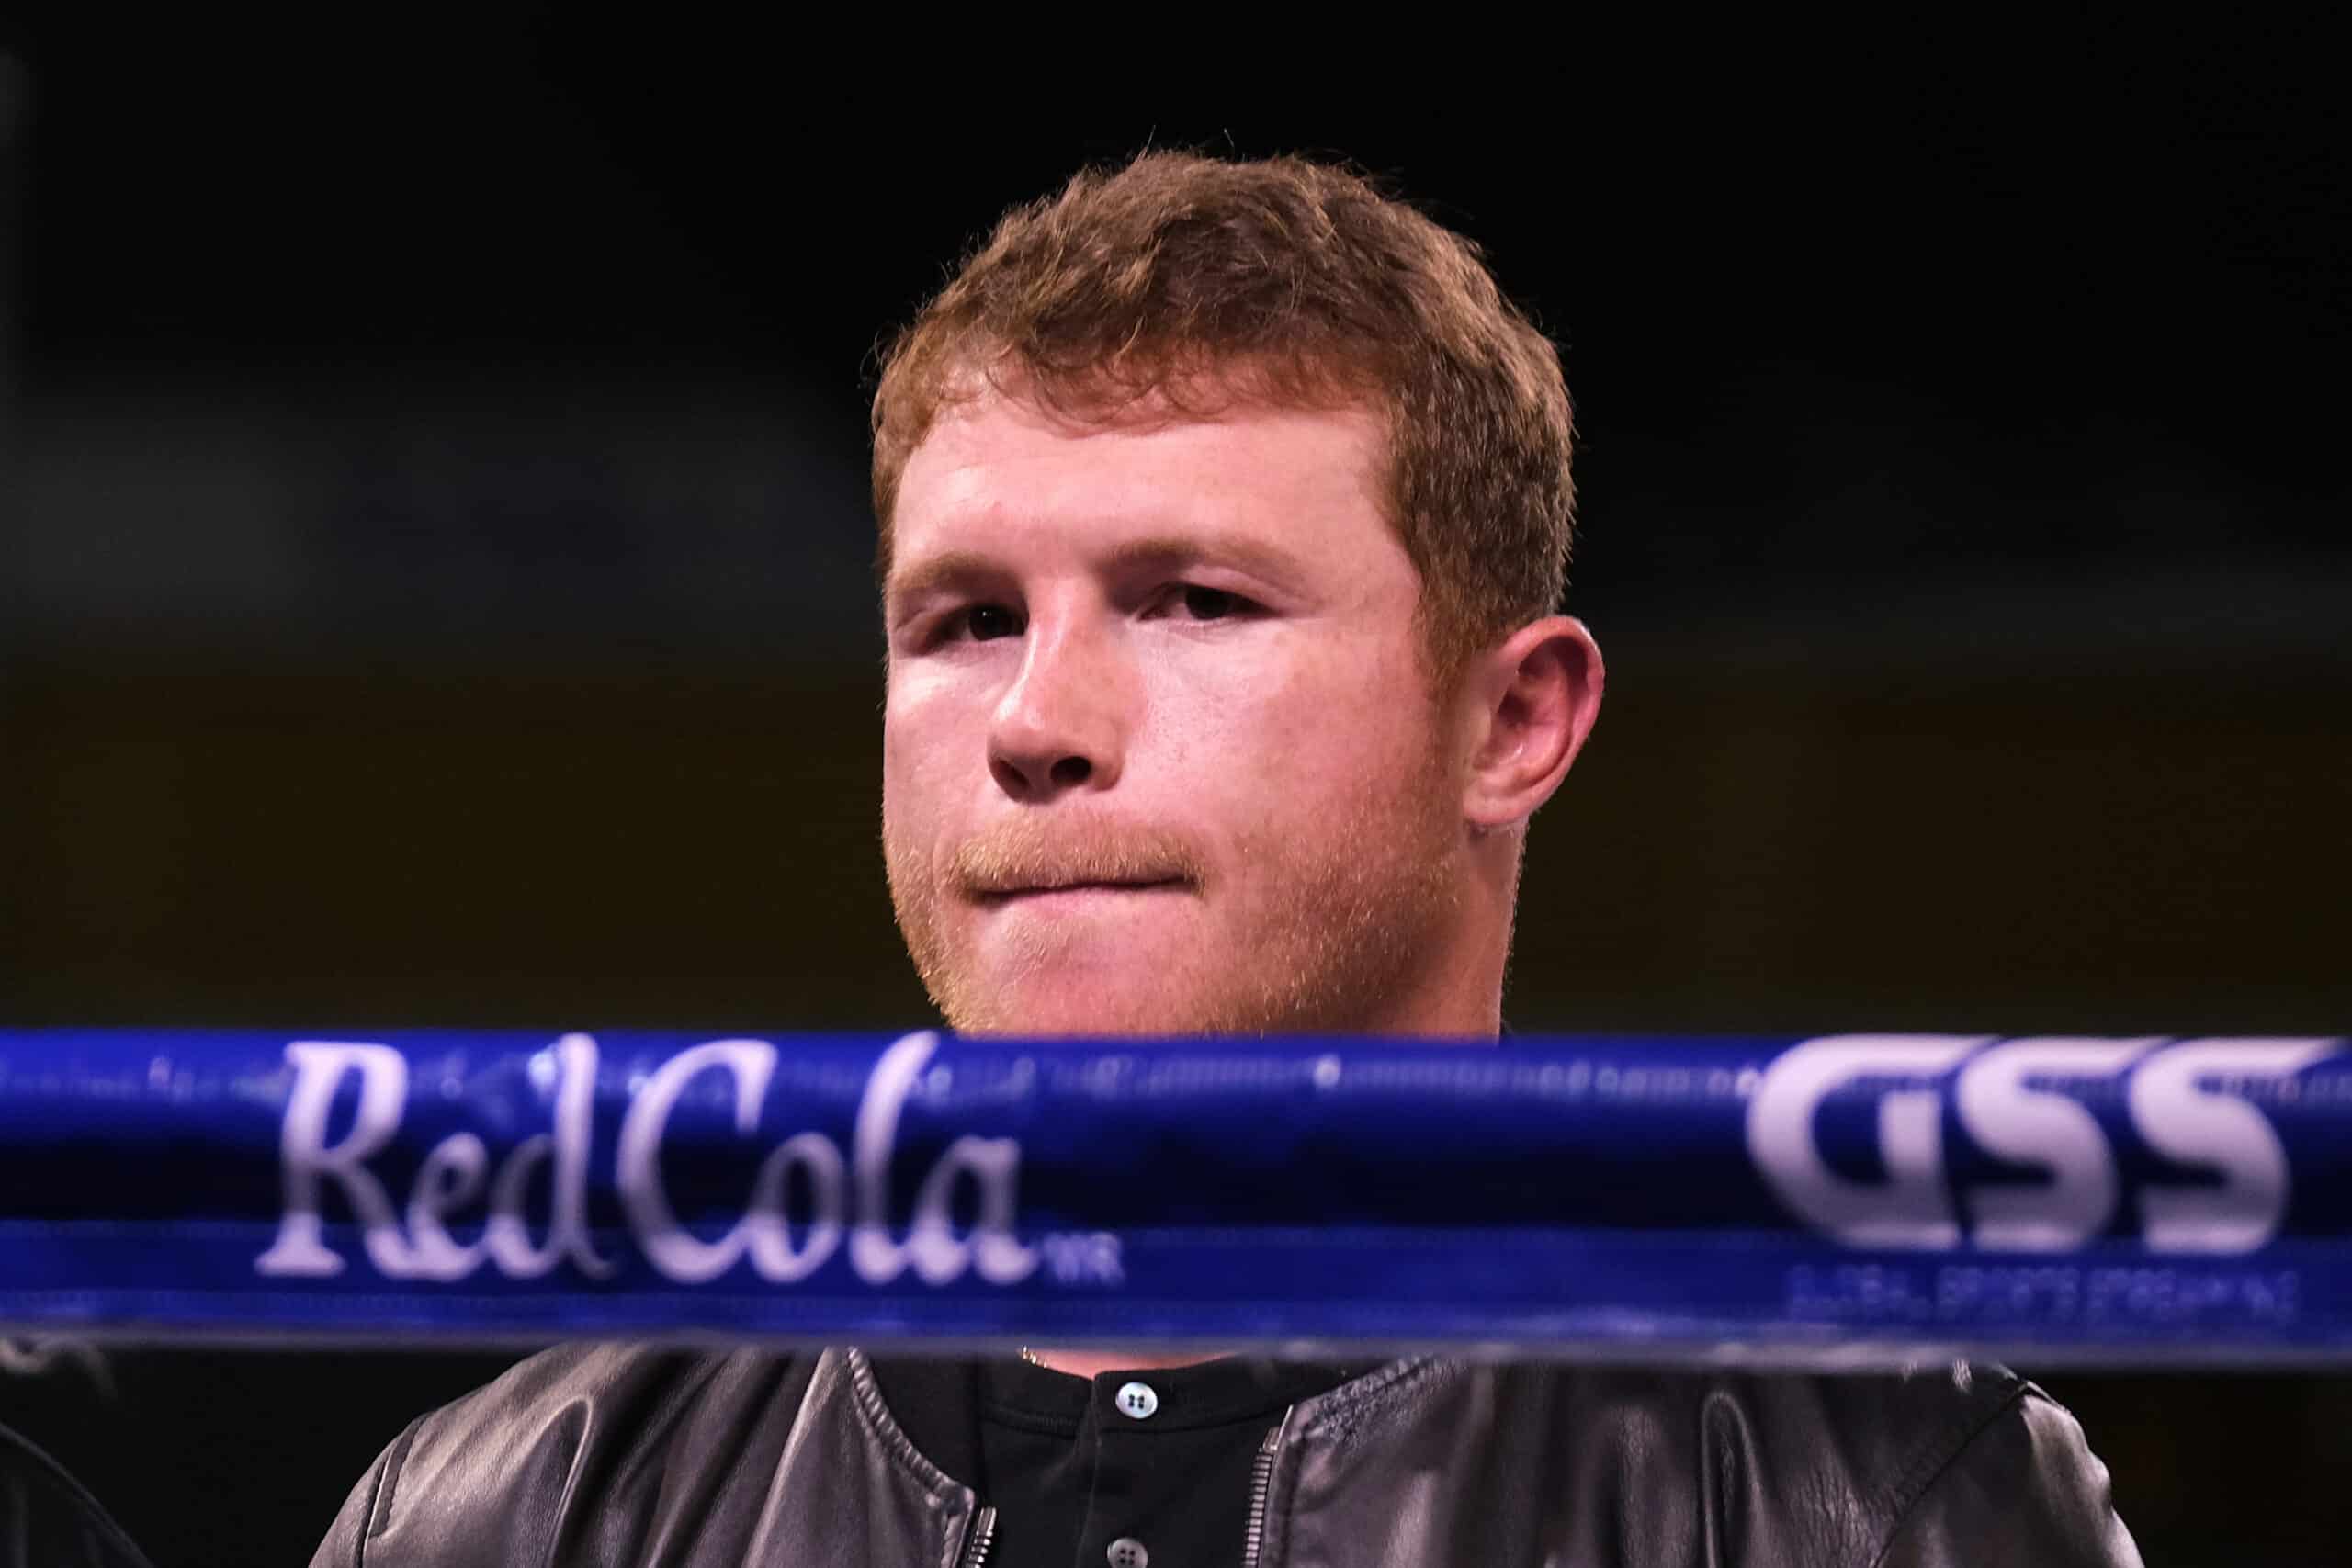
(1062, 725)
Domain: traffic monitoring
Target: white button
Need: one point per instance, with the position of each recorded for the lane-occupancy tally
(1128, 1552)
(1138, 1400)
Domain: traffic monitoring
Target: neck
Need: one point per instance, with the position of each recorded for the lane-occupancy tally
(1091, 1364)
(1456, 993)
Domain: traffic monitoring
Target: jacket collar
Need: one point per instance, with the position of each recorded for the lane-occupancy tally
(935, 1403)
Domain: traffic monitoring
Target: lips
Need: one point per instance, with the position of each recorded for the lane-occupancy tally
(996, 895)
(1026, 859)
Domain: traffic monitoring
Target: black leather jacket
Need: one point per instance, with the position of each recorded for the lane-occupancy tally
(614, 1455)
(47, 1520)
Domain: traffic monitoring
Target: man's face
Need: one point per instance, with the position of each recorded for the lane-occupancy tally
(1158, 754)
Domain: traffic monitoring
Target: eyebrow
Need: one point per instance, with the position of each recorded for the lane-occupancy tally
(1177, 551)
(937, 575)
(955, 570)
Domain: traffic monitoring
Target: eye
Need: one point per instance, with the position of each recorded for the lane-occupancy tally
(1194, 603)
(1211, 603)
(986, 623)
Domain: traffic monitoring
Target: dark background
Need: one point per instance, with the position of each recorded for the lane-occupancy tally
(434, 583)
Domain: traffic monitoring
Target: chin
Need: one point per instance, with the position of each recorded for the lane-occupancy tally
(1094, 1014)
(1081, 1003)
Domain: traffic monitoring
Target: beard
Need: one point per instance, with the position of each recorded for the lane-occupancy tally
(1319, 923)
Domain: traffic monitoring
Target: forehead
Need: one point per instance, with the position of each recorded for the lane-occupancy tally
(999, 473)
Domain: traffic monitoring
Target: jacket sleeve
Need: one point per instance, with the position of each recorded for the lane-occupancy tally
(47, 1520)
(2026, 1488)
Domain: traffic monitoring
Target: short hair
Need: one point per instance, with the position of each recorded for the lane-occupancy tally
(1278, 282)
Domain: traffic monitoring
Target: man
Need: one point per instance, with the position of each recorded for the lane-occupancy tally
(1224, 511)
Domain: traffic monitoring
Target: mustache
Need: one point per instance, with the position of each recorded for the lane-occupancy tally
(1021, 856)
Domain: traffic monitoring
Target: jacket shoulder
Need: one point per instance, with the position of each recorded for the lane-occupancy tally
(1875, 1441)
(581, 1453)
(1950, 1465)
(1724, 1469)
(2026, 1487)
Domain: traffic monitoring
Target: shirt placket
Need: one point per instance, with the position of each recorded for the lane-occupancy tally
(1133, 1447)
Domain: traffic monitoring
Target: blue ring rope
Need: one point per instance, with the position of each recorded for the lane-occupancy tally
(1852, 1199)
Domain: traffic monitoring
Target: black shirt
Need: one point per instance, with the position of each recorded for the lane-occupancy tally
(1079, 1469)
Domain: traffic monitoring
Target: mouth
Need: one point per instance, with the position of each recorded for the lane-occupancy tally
(996, 898)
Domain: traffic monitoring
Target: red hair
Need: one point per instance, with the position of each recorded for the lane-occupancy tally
(1208, 282)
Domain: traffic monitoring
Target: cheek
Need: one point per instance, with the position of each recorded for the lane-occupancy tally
(912, 792)
(1284, 744)
(922, 722)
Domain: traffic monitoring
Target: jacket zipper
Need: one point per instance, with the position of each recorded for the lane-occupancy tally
(1262, 1483)
(979, 1536)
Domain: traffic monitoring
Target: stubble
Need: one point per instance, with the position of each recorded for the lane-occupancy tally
(1326, 921)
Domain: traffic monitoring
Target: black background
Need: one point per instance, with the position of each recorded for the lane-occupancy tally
(436, 585)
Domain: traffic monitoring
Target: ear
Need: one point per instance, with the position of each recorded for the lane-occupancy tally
(1530, 702)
